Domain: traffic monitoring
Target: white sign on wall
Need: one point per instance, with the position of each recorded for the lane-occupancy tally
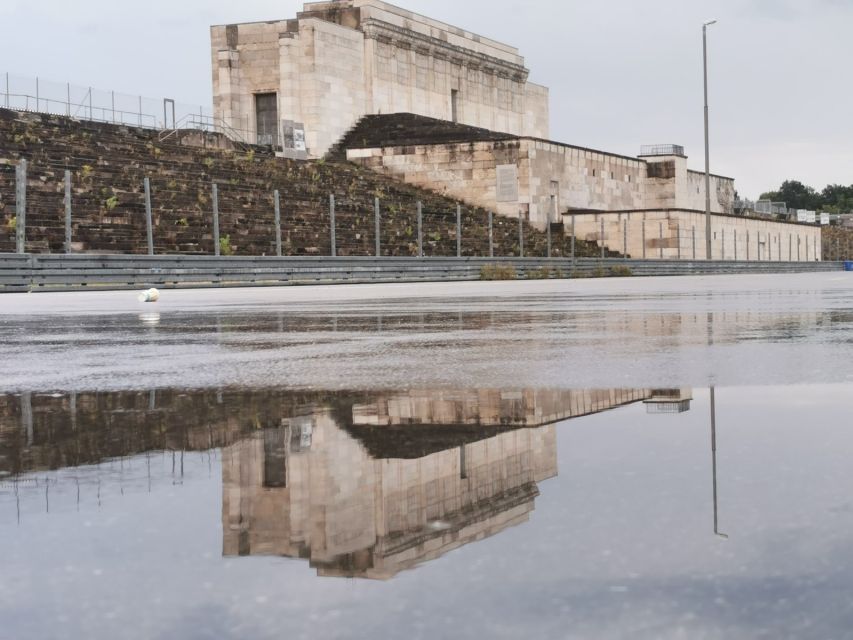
(299, 139)
(507, 187)
(824, 218)
(806, 216)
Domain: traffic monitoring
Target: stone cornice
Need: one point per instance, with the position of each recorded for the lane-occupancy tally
(405, 39)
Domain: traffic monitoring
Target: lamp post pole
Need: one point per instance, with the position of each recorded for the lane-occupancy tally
(707, 152)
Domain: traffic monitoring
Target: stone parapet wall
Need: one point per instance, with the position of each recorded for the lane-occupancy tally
(680, 234)
(545, 178)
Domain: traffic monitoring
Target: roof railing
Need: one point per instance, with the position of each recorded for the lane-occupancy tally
(661, 150)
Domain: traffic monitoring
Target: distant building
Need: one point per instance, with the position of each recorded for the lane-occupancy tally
(445, 109)
(302, 83)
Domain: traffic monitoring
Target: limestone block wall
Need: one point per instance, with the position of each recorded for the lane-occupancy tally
(579, 178)
(466, 171)
(336, 62)
(245, 61)
(680, 234)
(332, 91)
(722, 193)
(550, 178)
(537, 111)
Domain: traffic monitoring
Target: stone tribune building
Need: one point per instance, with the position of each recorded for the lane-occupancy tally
(443, 108)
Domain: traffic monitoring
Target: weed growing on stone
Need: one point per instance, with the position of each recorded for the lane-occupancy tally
(620, 271)
(498, 272)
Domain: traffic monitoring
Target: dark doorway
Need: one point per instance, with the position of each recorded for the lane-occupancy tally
(266, 117)
(275, 458)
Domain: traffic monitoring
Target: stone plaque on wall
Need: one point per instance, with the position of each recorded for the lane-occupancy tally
(507, 177)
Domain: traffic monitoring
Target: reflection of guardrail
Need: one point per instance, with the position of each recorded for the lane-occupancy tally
(46, 272)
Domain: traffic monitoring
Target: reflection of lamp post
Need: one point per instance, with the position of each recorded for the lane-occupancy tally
(707, 153)
(714, 459)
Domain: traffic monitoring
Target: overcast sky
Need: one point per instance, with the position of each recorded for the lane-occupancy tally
(622, 73)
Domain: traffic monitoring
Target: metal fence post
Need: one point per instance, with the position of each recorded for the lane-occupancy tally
(573, 237)
(625, 238)
(377, 225)
(790, 248)
(149, 229)
(722, 244)
(602, 237)
(735, 232)
(67, 211)
(277, 203)
(678, 238)
(21, 207)
(420, 229)
(332, 238)
(694, 241)
(643, 236)
(548, 237)
(216, 248)
(520, 236)
(491, 236)
(747, 246)
(660, 238)
(458, 230)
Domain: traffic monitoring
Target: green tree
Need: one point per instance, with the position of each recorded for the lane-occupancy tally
(837, 198)
(795, 195)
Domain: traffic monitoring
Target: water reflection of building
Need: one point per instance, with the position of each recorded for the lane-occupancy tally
(395, 479)
(669, 400)
(355, 515)
(360, 484)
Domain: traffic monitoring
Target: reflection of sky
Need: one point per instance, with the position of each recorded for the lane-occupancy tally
(620, 545)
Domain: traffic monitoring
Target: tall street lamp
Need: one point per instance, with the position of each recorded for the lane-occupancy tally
(707, 153)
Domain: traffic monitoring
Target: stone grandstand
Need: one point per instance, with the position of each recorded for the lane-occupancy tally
(108, 164)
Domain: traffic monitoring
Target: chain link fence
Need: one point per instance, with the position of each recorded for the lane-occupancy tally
(23, 93)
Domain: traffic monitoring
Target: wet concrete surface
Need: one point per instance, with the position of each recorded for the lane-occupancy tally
(782, 329)
(624, 458)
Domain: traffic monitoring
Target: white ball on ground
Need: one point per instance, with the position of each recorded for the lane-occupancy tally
(151, 295)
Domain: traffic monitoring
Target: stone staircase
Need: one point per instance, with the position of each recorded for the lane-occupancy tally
(108, 164)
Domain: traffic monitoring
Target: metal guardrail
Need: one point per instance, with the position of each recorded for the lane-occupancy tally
(56, 272)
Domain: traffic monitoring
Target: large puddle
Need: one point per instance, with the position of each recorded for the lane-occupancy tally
(170, 474)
